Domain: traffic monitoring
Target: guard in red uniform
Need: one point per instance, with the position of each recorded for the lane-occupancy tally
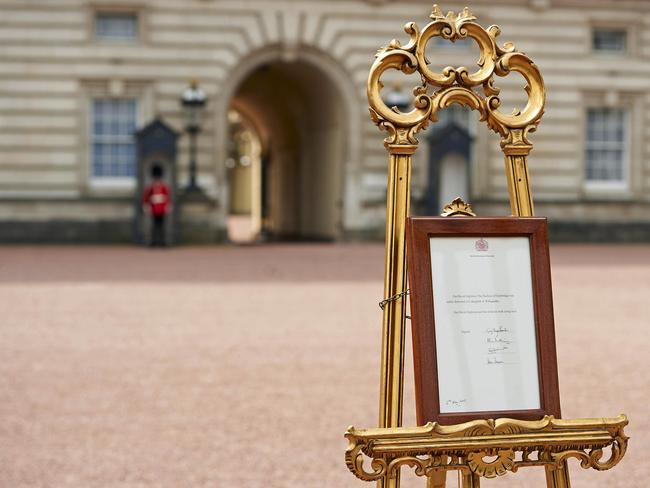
(156, 201)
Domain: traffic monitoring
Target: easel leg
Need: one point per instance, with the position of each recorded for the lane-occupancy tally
(394, 317)
(389, 482)
(558, 477)
(437, 479)
(470, 480)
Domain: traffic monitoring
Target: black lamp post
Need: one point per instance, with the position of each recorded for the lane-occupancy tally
(193, 101)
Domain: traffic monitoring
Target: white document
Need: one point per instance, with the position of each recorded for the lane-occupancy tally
(484, 324)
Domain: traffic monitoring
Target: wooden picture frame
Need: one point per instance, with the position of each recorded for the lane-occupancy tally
(470, 274)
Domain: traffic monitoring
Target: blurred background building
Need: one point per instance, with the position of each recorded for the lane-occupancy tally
(287, 149)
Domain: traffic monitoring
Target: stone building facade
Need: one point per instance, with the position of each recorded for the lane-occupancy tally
(77, 77)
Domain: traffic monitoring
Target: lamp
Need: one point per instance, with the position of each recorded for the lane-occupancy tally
(193, 101)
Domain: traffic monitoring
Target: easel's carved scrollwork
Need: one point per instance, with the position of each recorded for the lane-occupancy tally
(455, 84)
(465, 447)
(482, 448)
(458, 207)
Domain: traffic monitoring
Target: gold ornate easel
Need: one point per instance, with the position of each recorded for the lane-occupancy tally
(434, 449)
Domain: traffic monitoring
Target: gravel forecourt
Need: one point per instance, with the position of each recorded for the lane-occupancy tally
(242, 366)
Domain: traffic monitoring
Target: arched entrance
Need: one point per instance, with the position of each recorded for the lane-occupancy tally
(298, 114)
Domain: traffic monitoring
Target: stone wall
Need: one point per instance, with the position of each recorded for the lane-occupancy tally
(51, 66)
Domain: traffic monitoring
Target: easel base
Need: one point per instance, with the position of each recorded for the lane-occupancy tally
(434, 449)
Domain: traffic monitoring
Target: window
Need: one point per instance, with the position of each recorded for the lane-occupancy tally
(606, 145)
(609, 40)
(113, 138)
(116, 26)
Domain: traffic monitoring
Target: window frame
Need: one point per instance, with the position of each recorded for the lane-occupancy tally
(142, 91)
(622, 185)
(115, 14)
(610, 29)
(110, 181)
(633, 27)
(94, 11)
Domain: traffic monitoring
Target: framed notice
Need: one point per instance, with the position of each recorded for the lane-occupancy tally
(482, 318)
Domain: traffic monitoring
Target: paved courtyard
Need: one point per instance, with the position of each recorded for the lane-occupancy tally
(242, 366)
